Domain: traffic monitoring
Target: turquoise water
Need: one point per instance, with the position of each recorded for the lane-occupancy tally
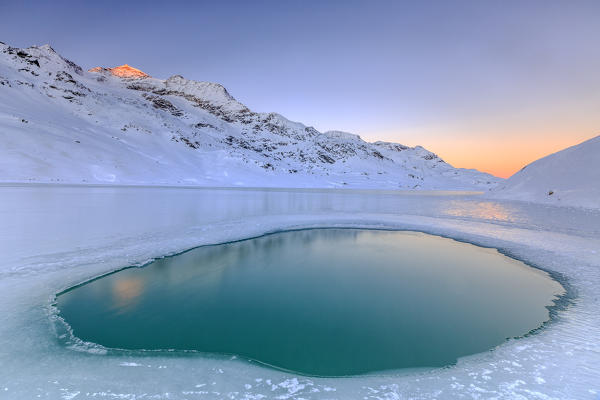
(326, 302)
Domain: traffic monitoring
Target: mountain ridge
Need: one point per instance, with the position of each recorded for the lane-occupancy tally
(96, 127)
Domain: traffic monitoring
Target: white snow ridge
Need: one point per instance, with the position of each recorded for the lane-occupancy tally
(570, 177)
(59, 123)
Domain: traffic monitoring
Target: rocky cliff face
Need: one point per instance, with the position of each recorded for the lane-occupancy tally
(119, 125)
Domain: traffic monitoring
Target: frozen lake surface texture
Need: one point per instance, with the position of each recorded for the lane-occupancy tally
(55, 237)
(319, 302)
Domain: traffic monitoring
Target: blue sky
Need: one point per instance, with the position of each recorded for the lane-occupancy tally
(491, 85)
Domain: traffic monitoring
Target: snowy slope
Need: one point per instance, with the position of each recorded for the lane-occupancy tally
(59, 123)
(569, 177)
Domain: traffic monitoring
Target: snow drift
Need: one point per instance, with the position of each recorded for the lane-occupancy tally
(570, 177)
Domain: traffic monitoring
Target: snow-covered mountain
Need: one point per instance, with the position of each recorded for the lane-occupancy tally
(570, 177)
(59, 123)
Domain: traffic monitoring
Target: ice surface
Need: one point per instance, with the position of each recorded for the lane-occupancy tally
(53, 237)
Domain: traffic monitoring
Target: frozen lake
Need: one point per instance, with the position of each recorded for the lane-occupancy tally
(54, 237)
(319, 302)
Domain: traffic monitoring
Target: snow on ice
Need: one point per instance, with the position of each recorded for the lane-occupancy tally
(57, 236)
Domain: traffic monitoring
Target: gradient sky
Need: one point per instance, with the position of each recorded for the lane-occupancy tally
(491, 85)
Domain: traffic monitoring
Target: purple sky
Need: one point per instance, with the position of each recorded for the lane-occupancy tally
(486, 84)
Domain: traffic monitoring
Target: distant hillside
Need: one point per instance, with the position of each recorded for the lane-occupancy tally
(569, 177)
(59, 123)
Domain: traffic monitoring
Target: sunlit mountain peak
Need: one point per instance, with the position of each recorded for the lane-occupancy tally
(123, 71)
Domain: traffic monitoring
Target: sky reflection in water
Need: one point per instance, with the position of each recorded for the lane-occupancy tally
(319, 302)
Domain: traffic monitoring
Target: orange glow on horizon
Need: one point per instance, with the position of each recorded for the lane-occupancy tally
(499, 155)
(501, 158)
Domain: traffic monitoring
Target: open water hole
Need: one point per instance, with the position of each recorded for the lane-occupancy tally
(321, 302)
